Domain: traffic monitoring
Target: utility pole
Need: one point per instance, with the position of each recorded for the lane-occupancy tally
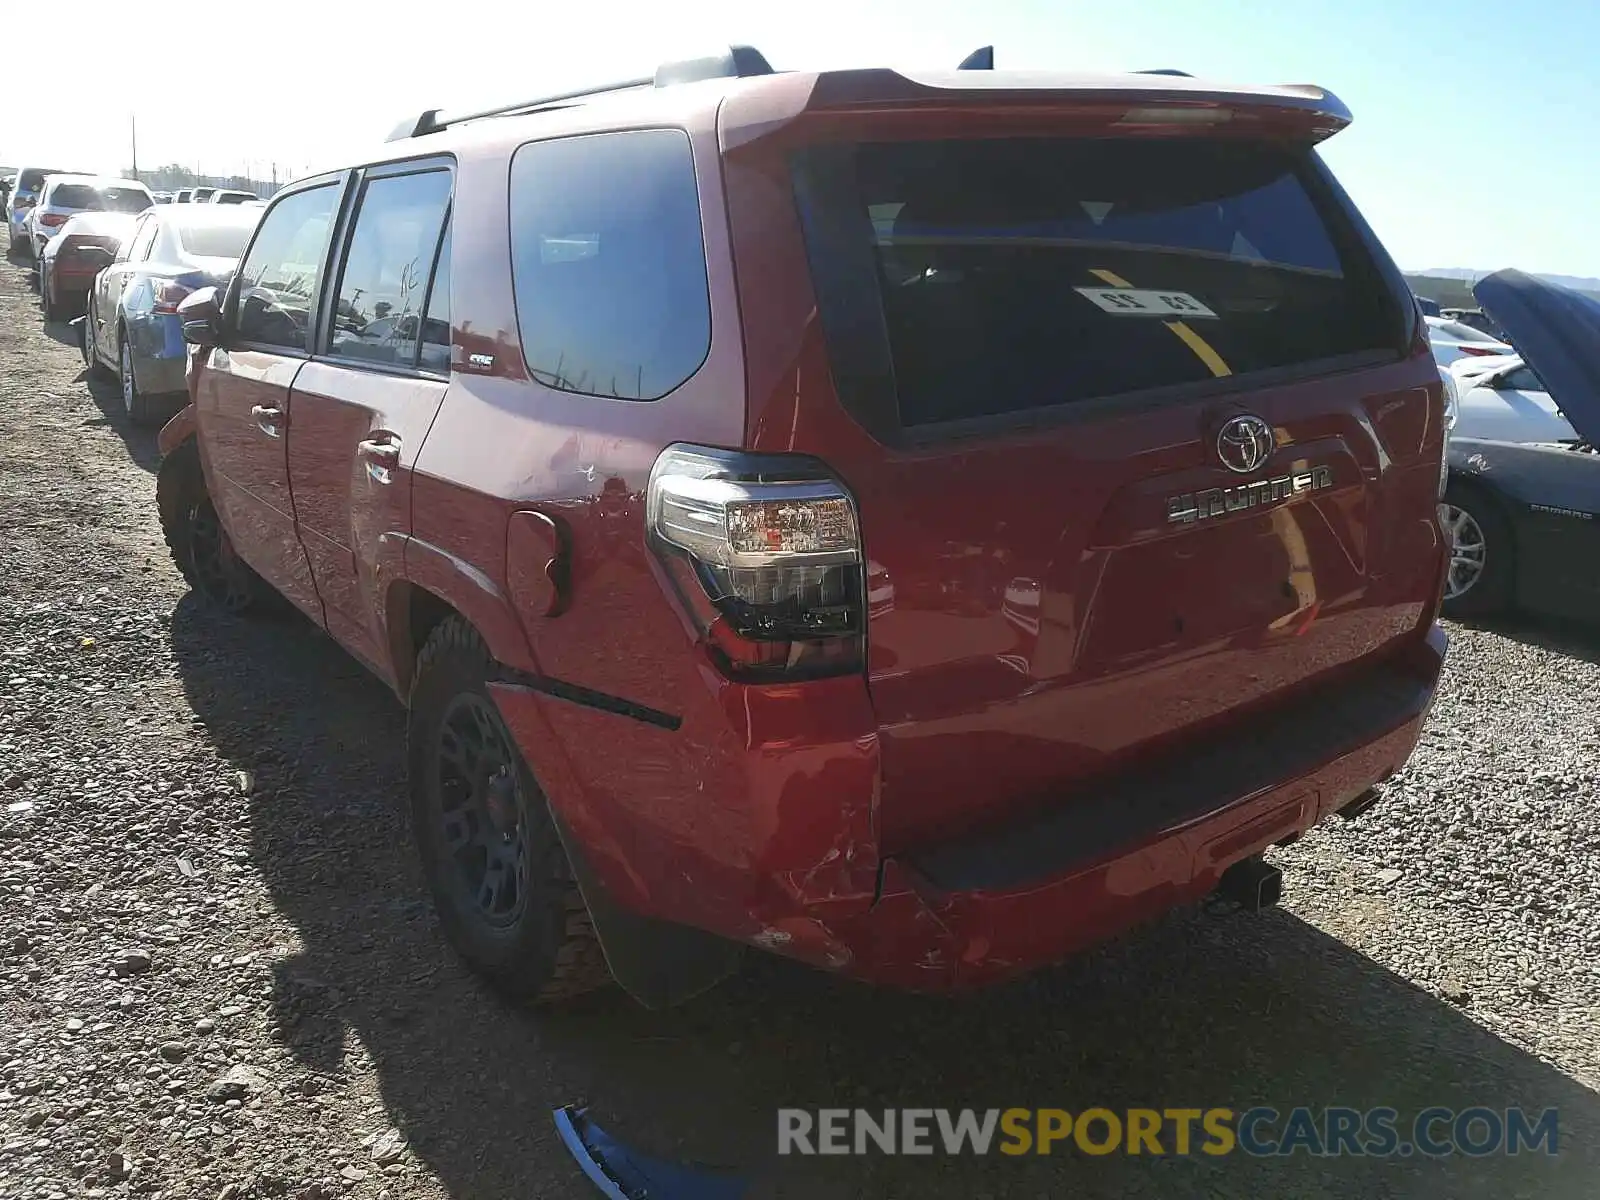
(133, 128)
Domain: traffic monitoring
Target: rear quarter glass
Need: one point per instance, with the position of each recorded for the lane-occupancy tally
(608, 263)
(1020, 274)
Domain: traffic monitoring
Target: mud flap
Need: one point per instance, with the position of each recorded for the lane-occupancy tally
(176, 431)
(659, 963)
(624, 1174)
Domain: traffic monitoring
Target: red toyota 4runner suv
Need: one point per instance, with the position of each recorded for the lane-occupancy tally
(919, 525)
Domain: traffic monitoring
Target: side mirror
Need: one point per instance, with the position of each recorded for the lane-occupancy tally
(201, 314)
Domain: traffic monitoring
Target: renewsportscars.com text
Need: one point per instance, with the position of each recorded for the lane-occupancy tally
(1259, 1131)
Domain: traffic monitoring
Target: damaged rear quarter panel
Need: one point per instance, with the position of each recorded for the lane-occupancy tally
(758, 809)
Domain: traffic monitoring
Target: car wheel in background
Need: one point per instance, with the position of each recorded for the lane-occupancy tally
(1482, 553)
(89, 347)
(494, 861)
(45, 307)
(199, 545)
(139, 406)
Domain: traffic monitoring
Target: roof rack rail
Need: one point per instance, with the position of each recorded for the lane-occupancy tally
(1165, 71)
(738, 62)
(981, 59)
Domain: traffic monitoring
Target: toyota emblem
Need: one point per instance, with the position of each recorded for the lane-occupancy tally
(1244, 443)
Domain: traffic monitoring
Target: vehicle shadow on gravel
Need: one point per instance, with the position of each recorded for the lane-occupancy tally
(22, 261)
(61, 333)
(1196, 1011)
(140, 439)
(1574, 639)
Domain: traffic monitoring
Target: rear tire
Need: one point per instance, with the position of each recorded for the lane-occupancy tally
(199, 545)
(501, 882)
(91, 358)
(1483, 553)
(142, 410)
(46, 308)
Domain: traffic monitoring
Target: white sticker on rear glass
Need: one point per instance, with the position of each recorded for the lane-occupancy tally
(1145, 302)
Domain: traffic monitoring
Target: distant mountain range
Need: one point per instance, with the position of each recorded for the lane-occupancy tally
(1583, 283)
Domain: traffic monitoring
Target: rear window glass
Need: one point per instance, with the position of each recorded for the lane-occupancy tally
(76, 195)
(1024, 273)
(1459, 330)
(30, 179)
(214, 241)
(126, 200)
(608, 263)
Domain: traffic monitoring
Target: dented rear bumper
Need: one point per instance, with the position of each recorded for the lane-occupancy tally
(760, 826)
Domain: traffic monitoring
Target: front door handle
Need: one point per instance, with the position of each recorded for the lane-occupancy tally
(382, 456)
(269, 418)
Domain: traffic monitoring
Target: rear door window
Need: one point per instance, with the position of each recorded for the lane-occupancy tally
(1026, 273)
(383, 288)
(608, 263)
(140, 249)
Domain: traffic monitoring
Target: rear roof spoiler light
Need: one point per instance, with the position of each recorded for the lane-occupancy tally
(1139, 90)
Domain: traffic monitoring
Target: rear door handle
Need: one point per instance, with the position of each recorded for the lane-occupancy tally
(382, 456)
(269, 419)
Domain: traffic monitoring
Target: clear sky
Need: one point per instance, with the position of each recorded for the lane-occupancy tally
(1468, 148)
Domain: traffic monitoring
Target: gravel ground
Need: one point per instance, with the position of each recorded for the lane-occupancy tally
(219, 976)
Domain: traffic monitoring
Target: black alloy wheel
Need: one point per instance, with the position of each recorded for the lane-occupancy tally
(482, 814)
(219, 574)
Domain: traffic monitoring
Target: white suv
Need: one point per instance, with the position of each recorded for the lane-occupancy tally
(67, 195)
(25, 190)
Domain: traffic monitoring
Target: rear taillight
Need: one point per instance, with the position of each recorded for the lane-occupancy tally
(168, 295)
(52, 219)
(764, 552)
(1469, 348)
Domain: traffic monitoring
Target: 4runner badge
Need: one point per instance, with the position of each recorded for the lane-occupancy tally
(1217, 502)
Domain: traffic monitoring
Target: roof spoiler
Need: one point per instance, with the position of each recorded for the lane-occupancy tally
(737, 62)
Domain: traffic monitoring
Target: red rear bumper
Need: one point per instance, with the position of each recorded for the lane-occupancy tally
(770, 840)
(922, 936)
